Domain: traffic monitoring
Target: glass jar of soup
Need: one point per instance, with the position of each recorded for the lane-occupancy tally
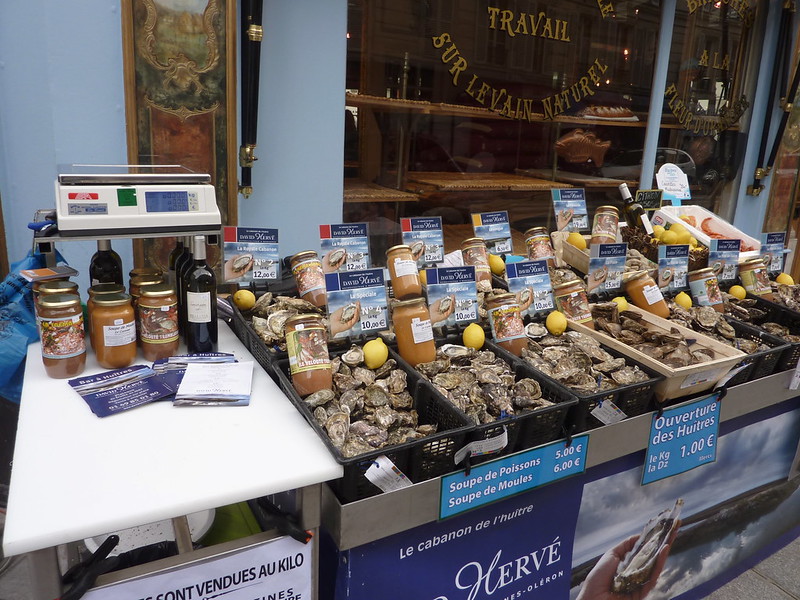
(473, 251)
(705, 290)
(309, 361)
(403, 272)
(755, 279)
(645, 294)
(605, 225)
(100, 289)
(508, 330)
(309, 277)
(413, 331)
(113, 330)
(537, 240)
(60, 319)
(157, 318)
(570, 298)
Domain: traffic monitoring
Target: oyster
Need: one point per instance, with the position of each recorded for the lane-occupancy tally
(637, 566)
(319, 398)
(337, 257)
(349, 312)
(241, 263)
(535, 330)
(417, 249)
(354, 356)
(337, 426)
(445, 304)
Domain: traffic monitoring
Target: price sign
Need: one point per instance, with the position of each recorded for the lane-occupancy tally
(494, 229)
(606, 265)
(673, 264)
(723, 257)
(772, 250)
(570, 208)
(530, 281)
(682, 439)
(425, 237)
(452, 295)
(511, 475)
(344, 247)
(250, 254)
(357, 303)
(649, 199)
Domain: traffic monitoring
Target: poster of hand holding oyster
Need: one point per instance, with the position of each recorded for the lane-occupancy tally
(357, 303)
(250, 254)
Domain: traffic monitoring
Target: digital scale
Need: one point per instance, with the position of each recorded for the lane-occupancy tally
(99, 200)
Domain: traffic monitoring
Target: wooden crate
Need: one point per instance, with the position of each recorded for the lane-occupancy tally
(682, 381)
(567, 254)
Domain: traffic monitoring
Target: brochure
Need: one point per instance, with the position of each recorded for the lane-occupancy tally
(530, 281)
(220, 384)
(425, 237)
(250, 254)
(170, 370)
(119, 390)
(344, 247)
(452, 295)
(357, 303)
(494, 229)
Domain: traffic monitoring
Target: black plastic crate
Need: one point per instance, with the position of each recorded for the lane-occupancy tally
(780, 314)
(633, 399)
(265, 355)
(420, 459)
(759, 364)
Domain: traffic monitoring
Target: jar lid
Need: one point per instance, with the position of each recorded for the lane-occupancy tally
(158, 290)
(302, 317)
(757, 261)
(112, 299)
(537, 231)
(305, 254)
(398, 247)
(106, 288)
(635, 275)
(566, 284)
(703, 271)
(502, 297)
(410, 302)
(141, 280)
(607, 208)
(473, 240)
(140, 271)
(57, 287)
(59, 301)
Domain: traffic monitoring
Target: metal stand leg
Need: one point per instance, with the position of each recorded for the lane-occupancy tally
(183, 538)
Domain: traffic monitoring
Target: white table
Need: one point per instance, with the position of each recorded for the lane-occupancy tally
(76, 475)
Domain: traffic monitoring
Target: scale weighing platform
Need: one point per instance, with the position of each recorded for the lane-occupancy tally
(123, 200)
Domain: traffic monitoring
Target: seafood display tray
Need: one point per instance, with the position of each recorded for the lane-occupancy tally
(679, 381)
(633, 399)
(420, 459)
(254, 344)
(671, 214)
(782, 315)
(759, 364)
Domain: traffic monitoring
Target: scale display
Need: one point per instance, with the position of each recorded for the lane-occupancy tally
(165, 202)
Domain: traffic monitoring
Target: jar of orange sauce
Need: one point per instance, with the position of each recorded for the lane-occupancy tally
(474, 253)
(99, 289)
(403, 272)
(508, 329)
(570, 298)
(309, 277)
(60, 319)
(413, 331)
(309, 361)
(113, 330)
(645, 294)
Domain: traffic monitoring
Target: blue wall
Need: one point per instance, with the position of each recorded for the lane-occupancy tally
(61, 101)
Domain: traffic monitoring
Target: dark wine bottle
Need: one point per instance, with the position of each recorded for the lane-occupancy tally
(633, 211)
(182, 266)
(201, 302)
(106, 265)
(173, 259)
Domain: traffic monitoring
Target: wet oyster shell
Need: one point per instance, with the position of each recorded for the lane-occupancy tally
(636, 567)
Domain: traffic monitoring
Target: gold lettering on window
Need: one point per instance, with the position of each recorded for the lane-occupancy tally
(537, 25)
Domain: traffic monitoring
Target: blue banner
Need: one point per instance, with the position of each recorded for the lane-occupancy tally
(682, 438)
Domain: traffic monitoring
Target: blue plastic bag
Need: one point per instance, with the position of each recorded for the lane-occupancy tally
(17, 324)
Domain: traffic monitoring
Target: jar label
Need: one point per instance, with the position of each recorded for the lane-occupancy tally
(404, 267)
(309, 276)
(119, 335)
(575, 306)
(706, 291)
(421, 330)
(605, 225)
(539, 248)
(307, 349)
(62, 337)
(158, 324)
(755, 281)
(198, 307)
(477, 258)
(652, 294)
(506, 323)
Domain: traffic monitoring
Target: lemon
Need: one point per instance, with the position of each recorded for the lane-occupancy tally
(784, 278)
(677, 227)
(556, 323)
(622, 303)
(683, 299)
(669, 237)
(375, 353)
(658, 231)
(693, 241)
(473, 336)
(577, 240)
(496, 264)
(423, 276)
(684, 237)
(737, 291)
(244, 299)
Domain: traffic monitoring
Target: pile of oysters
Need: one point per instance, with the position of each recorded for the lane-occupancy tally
(709, 322)
(367, 408)
(747, 310)
(481, 384)
(668, 347)
(269, 316)
(578, 361)
(787, 295)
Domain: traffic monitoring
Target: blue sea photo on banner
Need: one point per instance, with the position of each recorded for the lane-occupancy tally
(732, 510)
(517, 548)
